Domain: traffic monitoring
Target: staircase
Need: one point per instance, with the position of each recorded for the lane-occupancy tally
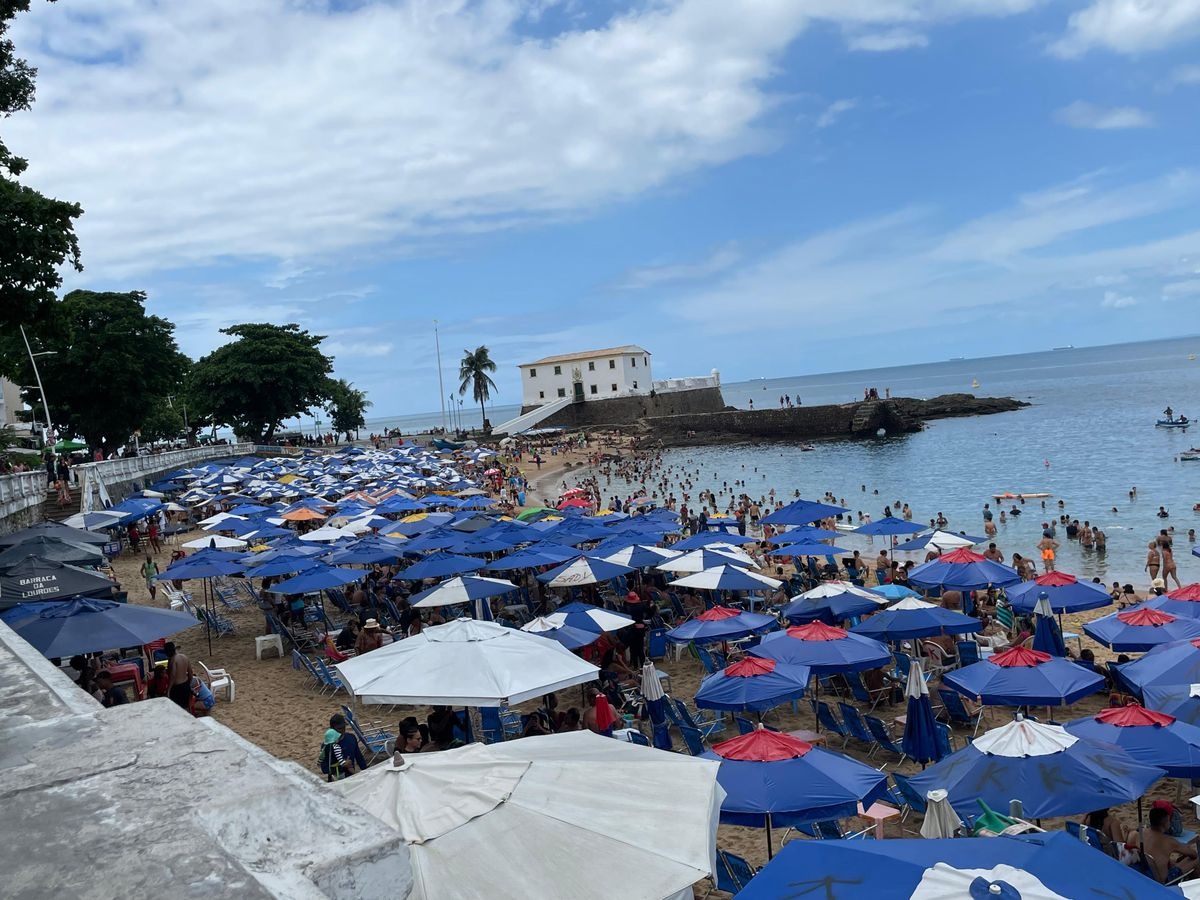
(51, 512)
(533, 417)
(868, 417)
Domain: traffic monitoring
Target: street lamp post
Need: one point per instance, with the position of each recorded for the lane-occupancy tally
(38, 378)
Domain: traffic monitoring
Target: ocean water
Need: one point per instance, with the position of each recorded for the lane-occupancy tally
(1088, 437)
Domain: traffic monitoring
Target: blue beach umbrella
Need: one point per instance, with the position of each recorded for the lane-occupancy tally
(534, 557)
(1151, 737)
(710, 557)
(569, 637)
(887, 526)
(913, 618)
(440, 565)
(1184, 601)
(894, 591)
(586, 617)
(1179, 700)
(317, 578)
(920, 731)
(1140, 629)
(88, 626)
(1028, 865)
(463, 589)
(582, 571)
(1052, 772)
(1023, 677)
(1047, 636)
(281, 565)
(205, 563)
(1174, 663)
(727, 578)
(752, 684)
(832, 602)
(1066, 594)
(51, 548)
(963, 570)
(366, 552)
(721, 624)
(803, 534)
(823, 649)
(772, 779)
(802, 512)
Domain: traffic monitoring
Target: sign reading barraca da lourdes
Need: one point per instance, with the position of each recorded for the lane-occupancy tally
(38, 586)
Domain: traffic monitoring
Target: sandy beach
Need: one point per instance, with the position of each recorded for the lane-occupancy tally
(276, 708)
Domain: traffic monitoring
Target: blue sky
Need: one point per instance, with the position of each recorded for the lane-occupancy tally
(770, 188)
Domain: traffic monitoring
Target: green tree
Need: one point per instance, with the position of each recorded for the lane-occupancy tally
(347, 407)
(38, 232)
(109, 364)
(268, 373)
(163, 421)
(473, 373)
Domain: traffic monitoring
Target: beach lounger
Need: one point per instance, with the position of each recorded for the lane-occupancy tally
(968, 652)
(375, 743)
(883, 738)
(708, 726)
(692, 739)
(956, 711)
(855, 727)
(733, 872)
(827, 720)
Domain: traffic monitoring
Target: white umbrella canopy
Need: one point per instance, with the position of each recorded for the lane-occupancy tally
(706, 558)
(513, 820)
(466, 662)
(727, 578)
(941, 821)
(839, 588)
(217, 540)
(604, 619)
(328, 533)
(464, 589)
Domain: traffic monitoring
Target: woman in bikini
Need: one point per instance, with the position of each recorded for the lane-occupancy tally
(1153, 560)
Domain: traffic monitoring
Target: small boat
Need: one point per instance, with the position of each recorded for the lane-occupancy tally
(806, 448)
(1009, 495)
(447, 445)
(974, 382)
(1172, 423)
(1191, 356)
(1192, 455)
(1068, 347)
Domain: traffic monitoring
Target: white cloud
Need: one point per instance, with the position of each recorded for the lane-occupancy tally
(906, 267)
(720, 259)
(888, 41)
(1129, 26)
(835, 110)
(1113, 300)
(1081, 114)
(1176, 289)
(278, 131)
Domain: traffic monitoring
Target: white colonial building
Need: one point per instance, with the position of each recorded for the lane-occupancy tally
(589, 375)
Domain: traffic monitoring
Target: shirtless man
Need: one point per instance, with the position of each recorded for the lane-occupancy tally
(179, 675)
(993, 554)
(1048, 546)
(1160, 846)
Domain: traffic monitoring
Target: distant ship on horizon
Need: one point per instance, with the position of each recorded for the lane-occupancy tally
(1068, 347)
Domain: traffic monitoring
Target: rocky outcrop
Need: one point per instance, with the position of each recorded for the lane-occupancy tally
(948, 406)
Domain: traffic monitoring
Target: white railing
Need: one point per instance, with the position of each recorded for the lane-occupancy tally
(668, 385)
(95, 477)
(21, 490)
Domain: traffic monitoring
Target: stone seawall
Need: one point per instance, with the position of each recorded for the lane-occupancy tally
(625, 411)
(895, 416)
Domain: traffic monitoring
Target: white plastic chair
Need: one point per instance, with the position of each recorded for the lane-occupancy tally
(217, 679)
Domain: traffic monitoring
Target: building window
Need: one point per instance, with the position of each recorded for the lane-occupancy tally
(595, 389)
(541, 395)
(633, 362)
(614, 388)
(591, 367)
(612, 363)
(533, 373)
(558, 370)
(646, 361)
(562, 392)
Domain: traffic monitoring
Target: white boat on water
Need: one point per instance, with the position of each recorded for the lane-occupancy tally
(975, 382)
(1192, 455)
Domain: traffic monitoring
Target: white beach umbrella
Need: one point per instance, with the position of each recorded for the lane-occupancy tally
(707, 558)
(539, 817)
(214, 522)
(327, 533)
(602, 619)
(838, 589)
(727, 578)
(466, 662)
(463, 589)
(941, 821)
(217, 540)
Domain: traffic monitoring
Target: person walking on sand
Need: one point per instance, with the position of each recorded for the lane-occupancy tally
(1048, 546)
(149, 570)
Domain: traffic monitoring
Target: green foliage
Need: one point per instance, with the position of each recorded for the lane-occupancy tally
(111, 363)
(473, 373)
(38, 235)
(347, 407)
(267, 374)
(163, 421)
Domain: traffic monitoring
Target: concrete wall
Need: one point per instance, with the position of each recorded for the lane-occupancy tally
(21, 497)
(628, 410)
(802, 422)
(118, 476)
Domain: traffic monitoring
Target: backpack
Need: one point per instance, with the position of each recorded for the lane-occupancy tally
(330, 763)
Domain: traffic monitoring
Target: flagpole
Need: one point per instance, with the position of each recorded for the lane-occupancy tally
(441, 387)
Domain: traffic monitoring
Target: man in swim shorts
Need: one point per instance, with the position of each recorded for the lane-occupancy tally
(1048, 546)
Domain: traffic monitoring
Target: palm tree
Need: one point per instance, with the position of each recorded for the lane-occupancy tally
(473, 372)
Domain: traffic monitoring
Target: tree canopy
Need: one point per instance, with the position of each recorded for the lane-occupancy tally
(473, 373)
(347, 407)
(110, 363)
(38, 231)
(267, 374)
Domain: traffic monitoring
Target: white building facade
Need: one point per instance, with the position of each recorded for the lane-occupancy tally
(589, 375)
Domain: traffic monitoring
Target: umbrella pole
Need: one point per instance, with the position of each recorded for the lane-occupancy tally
(208, 618)
(770, 849)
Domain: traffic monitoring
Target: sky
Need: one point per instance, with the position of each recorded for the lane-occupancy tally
(766, 187)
